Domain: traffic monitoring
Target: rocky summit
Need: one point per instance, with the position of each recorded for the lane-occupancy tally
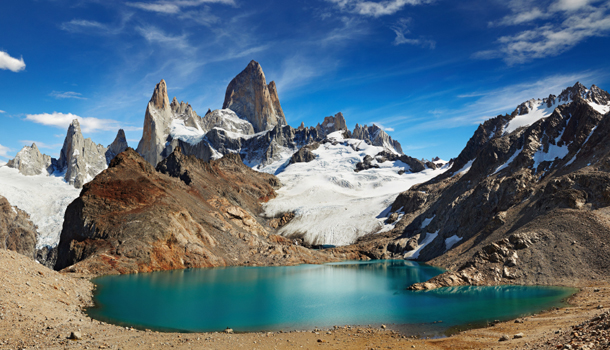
(249, 96)
(81, 159)
(29, 161)
(186, 213)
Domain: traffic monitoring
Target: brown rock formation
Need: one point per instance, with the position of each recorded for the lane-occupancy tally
(17, 232)
(252, 99)
(187, 213)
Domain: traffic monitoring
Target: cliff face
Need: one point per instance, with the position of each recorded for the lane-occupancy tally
(17, 232)
(117, 146)
(252, 99)
(187, 213)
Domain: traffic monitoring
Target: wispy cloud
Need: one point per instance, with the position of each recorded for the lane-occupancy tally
(67, 94)
(376, 9)
(504, 100)
(95, 27)
(386, 129)
(61, 120)
(175, 7)
(10, 63)
(41, 144)
(559, 27)
(401, 28)
(155, 35)
(4, 151)
(1, 111)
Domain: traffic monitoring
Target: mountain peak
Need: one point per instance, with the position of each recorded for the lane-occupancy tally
(159, 98)
(249, 96)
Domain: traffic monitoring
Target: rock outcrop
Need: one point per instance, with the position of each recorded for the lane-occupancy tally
(332, 124)
(375, 136)
(186, 213)
(227, 119)
(117, 146)
(17, 232)
(29, 161)
(157, 121)
(81, 159)
(249, 96)
(305, 154)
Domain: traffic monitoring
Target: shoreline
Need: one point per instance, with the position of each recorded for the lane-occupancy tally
(41, 308)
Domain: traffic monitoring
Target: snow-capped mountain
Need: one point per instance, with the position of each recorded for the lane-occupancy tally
(527, 114)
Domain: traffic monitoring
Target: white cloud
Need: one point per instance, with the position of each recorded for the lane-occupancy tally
(401, 29)
(41, 144)
(566, 24)
(386, 129)
(61, 120)
(376, 9)
(4, 151)
(1, 111)
(10, 63)
(67, 94)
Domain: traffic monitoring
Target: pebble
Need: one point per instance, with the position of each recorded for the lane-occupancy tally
(504, 338)
(76, 336)
(518, 336)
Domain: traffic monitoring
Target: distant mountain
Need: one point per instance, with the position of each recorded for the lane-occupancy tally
(79, 162)
(525, 202)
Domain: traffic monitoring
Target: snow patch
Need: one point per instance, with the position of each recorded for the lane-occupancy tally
(510, 160)
(451, 241)
(414, 254)
(538, 110)
(465, 168)
(599, 108)
(427, 222)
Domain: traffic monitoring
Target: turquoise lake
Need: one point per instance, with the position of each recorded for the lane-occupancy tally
(308, 296)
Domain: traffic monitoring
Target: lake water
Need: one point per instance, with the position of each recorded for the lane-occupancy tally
(308, 296)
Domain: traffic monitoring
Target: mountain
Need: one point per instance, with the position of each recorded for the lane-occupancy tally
(186, 213)
(29, 161)
(376, 137)
(521, 204)
(17, 232)
(117, 146)
(249, 96)
(80, 159)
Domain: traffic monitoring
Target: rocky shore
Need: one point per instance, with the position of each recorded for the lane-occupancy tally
(44, 309)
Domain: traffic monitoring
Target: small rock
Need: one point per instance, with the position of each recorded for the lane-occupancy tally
(518, 321)
(600, 307)
(504, 338)
(321, 341)
(76, 336)
(228, 330)
(596, 290)
(383, 326)
(518, 336)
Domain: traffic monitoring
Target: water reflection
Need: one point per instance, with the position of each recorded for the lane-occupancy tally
(305, 296)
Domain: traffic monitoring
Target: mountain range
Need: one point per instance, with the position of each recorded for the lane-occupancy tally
(524, 202)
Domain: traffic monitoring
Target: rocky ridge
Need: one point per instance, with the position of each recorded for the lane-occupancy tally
(525, 201)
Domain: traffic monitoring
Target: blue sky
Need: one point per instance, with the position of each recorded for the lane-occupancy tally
(429, 71)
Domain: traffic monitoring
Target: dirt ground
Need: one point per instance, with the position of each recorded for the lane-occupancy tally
(40, 308)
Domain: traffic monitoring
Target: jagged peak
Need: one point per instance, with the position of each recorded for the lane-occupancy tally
(160, 98)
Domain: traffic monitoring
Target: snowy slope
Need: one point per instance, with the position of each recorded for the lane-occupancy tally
(44, 197)
(335, 205)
